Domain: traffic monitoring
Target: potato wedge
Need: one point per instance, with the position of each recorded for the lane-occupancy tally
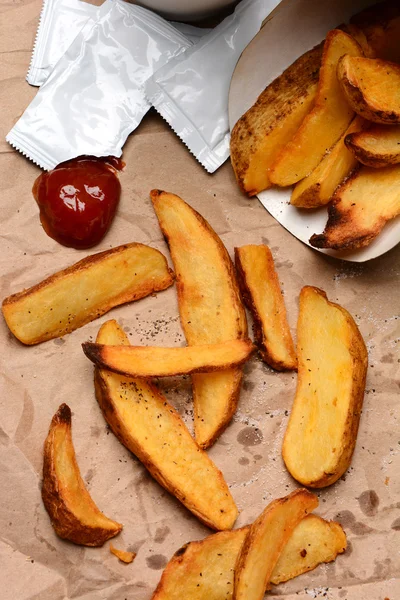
(262, 295)
(153, 361)
(360, 208)
(371, 87)
(377, 147)
(272, 121)
(318, 188)
(322, 429)
(313, 541)
(265, 542)
(148, 426)
(123, 555)
(73, 514)
(204, 570)
(210, 307)
(86, 290)
(380, 24)
(325, 123)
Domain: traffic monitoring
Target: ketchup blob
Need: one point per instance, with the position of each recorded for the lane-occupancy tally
(78, 200)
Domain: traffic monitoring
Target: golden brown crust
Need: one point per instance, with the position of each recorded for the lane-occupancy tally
(360, 208)
(262, 295)
(154, 361)
(283, 104)
(89, 529)
(321, 439)
(377, 147)
(53, 307)
(210, 306)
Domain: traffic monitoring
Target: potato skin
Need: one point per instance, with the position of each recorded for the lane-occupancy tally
(377, 147)
(357, 74)
(64, 521)
(279, 109)
(283, 357)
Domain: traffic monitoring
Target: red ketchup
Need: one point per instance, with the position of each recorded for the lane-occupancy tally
(78, 200)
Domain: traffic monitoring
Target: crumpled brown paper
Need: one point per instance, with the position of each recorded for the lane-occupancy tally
(34, 381)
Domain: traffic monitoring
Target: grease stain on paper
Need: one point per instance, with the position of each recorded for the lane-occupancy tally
(161, 534)
(369, 502)
(156, 562)
(250, 436)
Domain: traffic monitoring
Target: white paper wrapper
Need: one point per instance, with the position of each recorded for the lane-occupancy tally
(191, 92)
(59, 24)
(94, 97)
(253, 73)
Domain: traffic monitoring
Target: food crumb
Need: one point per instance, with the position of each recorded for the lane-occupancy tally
(123, 555)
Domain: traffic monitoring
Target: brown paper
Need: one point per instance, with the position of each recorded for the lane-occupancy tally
(34, 563)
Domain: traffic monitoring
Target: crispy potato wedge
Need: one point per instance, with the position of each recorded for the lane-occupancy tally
(123, 555)
(86, 290)
(318, 188)
(265, 542)
(152, 361)
(148, 426)
(204, 570)
(380, 24)
(210, 307)
(325, 123)
(360, 208)
(313, 541)
(262, 295)
(322, 429)
(377, 147)
(73, 514)
(272, 121)
(371, 87)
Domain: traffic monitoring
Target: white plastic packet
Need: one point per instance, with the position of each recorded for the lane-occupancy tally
(59, 24)
(94, 98)
(191, 91)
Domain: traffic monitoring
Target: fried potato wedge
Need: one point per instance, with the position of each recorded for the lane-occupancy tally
(210, 307)
(153, 361)
(360, 208)
(265, 542)
(262, 295)
(322, 429)
(272, 121)
(371, 87)
(73, 514)
(123, 555)
(86, 290)
(204, 570)
(148, 426)
(325, 123)
(313, 541)
(377, 147)
(317, 189)
(380, 24)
